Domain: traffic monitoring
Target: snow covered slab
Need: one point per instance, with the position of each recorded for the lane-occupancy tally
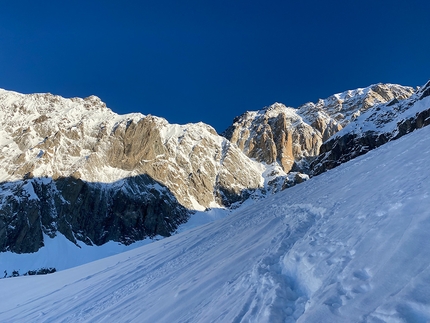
(350, 245)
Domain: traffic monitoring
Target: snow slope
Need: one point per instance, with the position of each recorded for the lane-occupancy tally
(349, 245)
(60, 253)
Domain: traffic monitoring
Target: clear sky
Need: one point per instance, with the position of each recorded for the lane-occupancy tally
(197, 60)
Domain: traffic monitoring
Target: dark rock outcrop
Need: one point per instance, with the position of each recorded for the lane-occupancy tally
(94, 213)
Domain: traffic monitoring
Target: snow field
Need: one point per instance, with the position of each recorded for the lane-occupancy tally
(349, 245)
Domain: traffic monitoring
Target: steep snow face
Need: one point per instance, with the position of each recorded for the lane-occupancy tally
(285, 135)
(346, 246)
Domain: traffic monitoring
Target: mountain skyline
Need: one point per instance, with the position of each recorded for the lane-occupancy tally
(210, 61)
(67, 163)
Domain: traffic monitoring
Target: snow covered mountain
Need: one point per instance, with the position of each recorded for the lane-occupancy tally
(49, 136)
(349, 245)
(73, 166)
(287, 135)
(379, 124)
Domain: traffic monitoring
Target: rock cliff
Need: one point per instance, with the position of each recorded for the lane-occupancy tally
(86, 167)
(125, 211)
(379, 124)
(46, 135)
(286, 135)
(74, 167)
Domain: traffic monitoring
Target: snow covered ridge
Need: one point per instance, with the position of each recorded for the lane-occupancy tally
(290, 136)
(381, 123)
(348, 245)
(43, 135)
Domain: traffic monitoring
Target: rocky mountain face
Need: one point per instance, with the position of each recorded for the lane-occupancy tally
(379, 124)
(74, 166)
(287, 135)
(274, 134)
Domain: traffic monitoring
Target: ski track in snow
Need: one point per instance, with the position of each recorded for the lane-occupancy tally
(347, 246)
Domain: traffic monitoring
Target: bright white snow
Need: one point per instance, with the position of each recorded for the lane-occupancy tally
(350, 245)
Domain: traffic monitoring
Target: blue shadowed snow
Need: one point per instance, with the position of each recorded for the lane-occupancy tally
(349, 245)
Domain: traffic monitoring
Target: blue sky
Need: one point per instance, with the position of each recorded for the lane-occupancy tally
(190, 61)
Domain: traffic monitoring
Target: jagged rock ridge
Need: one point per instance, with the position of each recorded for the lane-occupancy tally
(378, 125)
(46, 135)
(286, 135)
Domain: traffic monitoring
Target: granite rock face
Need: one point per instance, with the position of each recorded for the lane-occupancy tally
(276, 134)
(193, 161)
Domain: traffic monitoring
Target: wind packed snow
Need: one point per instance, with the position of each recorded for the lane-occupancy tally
(60, 253)
(350, 245)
